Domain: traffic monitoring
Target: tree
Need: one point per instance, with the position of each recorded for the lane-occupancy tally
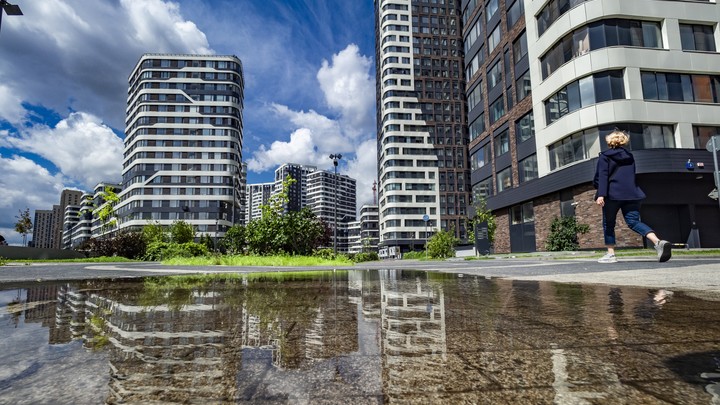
(106, 212)
(442, 245)
(182, 232)
(24, 225)
(294, 232)
(482, 214)
(154, 232)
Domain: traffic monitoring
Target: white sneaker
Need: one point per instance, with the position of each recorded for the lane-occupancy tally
(608, 258)
(664, 250)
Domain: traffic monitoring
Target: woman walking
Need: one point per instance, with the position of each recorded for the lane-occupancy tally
(617, 191)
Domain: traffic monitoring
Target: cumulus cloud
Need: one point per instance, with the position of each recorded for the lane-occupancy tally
(11, 108)
(78, 55)
(349, 89)
(24, 183)
(81, 147)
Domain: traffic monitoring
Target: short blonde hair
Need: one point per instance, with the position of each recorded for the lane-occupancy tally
(616, 138)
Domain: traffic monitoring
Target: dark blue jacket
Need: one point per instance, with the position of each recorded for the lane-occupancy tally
(615, 176)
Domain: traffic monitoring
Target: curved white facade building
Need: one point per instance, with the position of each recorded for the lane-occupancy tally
(183, 142)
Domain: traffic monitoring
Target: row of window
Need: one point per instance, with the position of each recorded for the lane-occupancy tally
(556, 8)
(681, 87)
(592, 89)
(597, 35)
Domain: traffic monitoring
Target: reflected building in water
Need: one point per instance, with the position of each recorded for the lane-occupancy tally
(384, 336)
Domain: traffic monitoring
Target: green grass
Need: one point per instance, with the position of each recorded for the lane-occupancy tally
(237, 260)
(101, 259)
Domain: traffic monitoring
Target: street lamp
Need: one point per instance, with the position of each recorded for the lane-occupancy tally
(10, 9)
(335, 159)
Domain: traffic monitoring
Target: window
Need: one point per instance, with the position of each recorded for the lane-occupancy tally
(702, 135)
(552, 11)
(494, 75)
(697, 37)
(522, 87)
(592, 89)
(497, 110)
(494, 39)
(680, 87)
(482, 190)
(525, 128)
(477, 127)
(514, 13)
(502, 143)
(528, 169)
(480, 158)
(576, 147)
(504, 179)
(520, 214)
(597, 35)
(520, 47)
(490, 9)
(475, 32)
(475, 97)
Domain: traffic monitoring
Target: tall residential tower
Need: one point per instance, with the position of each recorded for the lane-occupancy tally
(183, 142)
(422, 134)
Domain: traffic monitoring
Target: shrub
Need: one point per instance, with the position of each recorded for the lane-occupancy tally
(413, 255)
(365, 257)
(154, 232)
(234, 240)
(326, 253)
(182, 232)
(442, 245)
(163, 250)
(3, 261)
(563, 234)
(130, 245)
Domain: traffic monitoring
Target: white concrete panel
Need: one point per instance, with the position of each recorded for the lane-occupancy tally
(577, 16)
(605, 112)
(599, 60)
(593, 9)
(588, 117)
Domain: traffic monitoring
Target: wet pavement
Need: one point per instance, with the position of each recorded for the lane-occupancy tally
(355, 336)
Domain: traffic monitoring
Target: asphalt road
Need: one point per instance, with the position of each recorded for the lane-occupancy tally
(696, 274)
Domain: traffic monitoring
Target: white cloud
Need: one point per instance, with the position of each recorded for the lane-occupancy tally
(24, 183)
(78, 55)
(81, 146)
(350, 89)
(11, 108)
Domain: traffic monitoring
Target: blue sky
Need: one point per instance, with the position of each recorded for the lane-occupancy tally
(309, 86)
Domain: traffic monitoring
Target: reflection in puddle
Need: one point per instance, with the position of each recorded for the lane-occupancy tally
(355, 337)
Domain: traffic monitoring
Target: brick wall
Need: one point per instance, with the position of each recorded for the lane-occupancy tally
(547, 207)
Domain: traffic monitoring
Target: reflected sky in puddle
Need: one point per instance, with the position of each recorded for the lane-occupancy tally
(355, 337)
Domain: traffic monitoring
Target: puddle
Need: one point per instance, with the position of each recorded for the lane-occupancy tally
(354, 337)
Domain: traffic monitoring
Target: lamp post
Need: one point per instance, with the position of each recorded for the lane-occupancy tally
(10, 9)
(335, 158)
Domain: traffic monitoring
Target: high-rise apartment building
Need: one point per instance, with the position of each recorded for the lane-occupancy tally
(42, 236)
(183, 142)
(363, 235)
(67, 197)
(332, 198)
(422, 135)
(297, 193)
(71, 218)
(547, 80)
(256, 195)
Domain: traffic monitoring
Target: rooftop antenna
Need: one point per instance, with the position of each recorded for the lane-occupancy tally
(10, 9)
